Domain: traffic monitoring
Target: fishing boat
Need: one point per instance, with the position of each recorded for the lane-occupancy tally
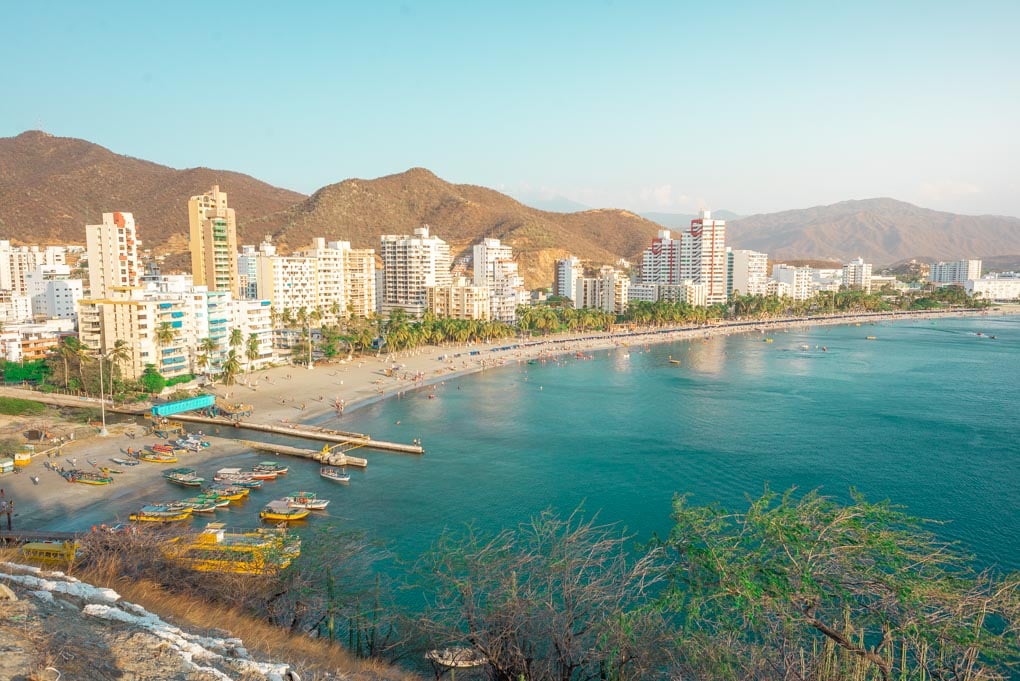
(335, 474)
(166, 449)
(186, 477)
(216, 550)
(214, 499)
(270, 467)
(280, 511)
(157, 457)
(200, 505)
(261, 475)
(100, 477)
(306, 500)
(237, 477)
(161, 513)
(227, 491)
(124, 462)
(871, 338)
(673, 361)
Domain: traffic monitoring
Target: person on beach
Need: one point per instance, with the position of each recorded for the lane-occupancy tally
(10, 510)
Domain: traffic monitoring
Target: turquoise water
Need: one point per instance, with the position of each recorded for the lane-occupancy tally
(925, 415)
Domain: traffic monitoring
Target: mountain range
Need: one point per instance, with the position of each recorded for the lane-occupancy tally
(50, 187)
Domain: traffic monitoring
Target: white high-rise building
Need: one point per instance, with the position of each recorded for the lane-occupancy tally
(703, 256)
(330, 292)
(660, 262)
(796, 281)
(494, 268)
(568, 271)
(460, 300)
(609, 290)
(956, 272)
(114, 268)
(697, 254)
(53, 293)
(359, 281)
(750, 273)
(1003, 287)
(288, 282)
(17, 261)
(857, 275)
(411, 264)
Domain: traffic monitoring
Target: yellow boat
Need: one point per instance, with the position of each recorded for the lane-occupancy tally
(872, 337)
(158, 457)
(161, 513)
(281, 511)
(62, 552)
(215, 550)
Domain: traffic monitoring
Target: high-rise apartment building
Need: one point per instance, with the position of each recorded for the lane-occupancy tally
(495, 268)
(459, 300)
(956, 272)
(660, 263)
(796, 281)
(857, 275)
(213, 242)
(114, 268)
(53, 293)
(17, 261)
(359, 281)
(565, 276)
(703, 256)
(750, 273)
(697, 255)
(411, 264)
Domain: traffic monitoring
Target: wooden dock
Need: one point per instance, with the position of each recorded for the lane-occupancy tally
(322, 455)
(308, 432)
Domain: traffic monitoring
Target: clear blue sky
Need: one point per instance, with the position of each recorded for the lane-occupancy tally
(754, 107)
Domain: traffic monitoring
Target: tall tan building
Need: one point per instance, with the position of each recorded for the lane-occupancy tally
(213, 242)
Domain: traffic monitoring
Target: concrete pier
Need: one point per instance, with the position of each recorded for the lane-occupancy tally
(322, 456)
(308, 432)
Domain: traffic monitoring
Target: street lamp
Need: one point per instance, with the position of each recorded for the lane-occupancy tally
(102, 399)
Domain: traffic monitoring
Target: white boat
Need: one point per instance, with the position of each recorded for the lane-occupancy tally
(306, 500)
(335, 474)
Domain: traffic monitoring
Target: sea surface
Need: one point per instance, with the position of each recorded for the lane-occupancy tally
(924, 415)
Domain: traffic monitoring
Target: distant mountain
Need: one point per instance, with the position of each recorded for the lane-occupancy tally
(882, 231)
(51, 187)
(554, 204)
(360, 210)
(683, 220)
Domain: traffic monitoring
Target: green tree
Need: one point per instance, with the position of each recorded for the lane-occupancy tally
(231, 368)
(252, 349)
(236, 338)
(151, 380)
(804, 587)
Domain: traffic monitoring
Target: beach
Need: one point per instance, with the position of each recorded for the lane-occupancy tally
(329, 390)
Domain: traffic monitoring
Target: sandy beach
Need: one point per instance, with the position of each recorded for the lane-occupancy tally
(294, 394)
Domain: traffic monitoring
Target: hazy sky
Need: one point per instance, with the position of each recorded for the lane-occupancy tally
(670, 106)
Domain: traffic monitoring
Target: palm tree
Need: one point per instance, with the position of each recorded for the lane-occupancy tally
(231, 368)
(121, 352)
(252, 350)
(67, 349)
(165, 334)
(208, 347)
(236, 338)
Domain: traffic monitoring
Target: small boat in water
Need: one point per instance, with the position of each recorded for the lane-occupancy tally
(872, 338)
(270, 467)
(186, 477)
(673, 361)
(227, 491)
(161, 513)
(306, 500)
(335, 474)
(237, 477)
(280, 511)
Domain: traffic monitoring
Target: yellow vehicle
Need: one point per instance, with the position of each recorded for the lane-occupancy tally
(215, 550)
(61, 552)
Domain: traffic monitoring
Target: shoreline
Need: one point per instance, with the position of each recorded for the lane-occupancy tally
(295, 394)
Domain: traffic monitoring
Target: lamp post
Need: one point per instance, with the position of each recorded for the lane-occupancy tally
(102, 399)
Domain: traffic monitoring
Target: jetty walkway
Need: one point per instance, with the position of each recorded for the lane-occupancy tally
(307, 432)
(322, 455)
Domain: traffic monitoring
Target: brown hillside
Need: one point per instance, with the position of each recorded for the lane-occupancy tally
(881, 231)
(360, 210)
(51, 187)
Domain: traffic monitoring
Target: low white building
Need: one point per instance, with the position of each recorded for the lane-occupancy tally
(999, 288)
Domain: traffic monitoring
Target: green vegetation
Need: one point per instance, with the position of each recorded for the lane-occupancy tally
(14, 406)
(35, 371)
(152, 381)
